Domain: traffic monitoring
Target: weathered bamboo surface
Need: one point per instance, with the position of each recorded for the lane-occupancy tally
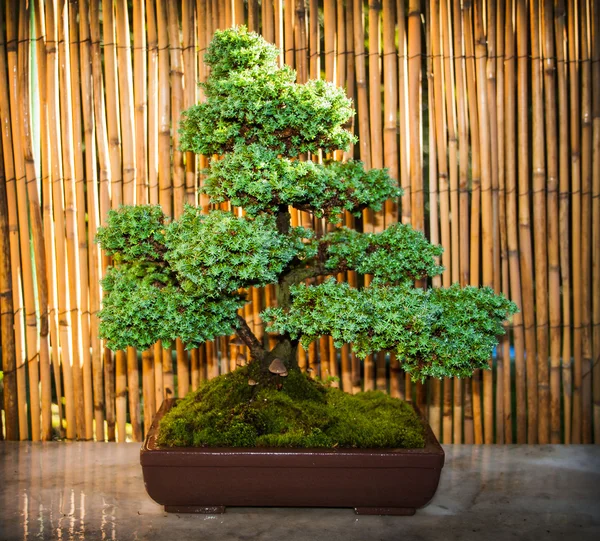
(487, 112)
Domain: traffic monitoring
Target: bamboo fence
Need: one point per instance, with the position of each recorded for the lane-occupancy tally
(487, 112)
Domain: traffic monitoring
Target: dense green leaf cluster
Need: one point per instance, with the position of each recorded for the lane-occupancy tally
(437, 332)
(142, 305)
(219, 252)
(180, 279)
(227, 412)
(134, 234)
(251, 100)
(259, 180)
(237, 51)
(400, 253)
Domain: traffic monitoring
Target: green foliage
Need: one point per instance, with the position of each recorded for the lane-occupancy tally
(436, 332)
(181, 279)
(400, 253)
(227, 412)
(142, 305)
(259, 180)
(238, 50)
(251, 100)
(134, 233)
(219, 252)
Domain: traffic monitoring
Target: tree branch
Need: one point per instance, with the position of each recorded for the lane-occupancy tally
(249, 338)
(294, 276)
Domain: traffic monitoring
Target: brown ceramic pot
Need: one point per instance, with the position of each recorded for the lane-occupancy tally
(373, 481)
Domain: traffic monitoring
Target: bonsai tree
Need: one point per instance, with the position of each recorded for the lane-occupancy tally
(185, 278)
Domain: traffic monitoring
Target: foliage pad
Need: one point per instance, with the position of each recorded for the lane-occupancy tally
(435, 332)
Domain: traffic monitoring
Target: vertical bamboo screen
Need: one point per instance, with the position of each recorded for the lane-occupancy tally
(487, 112)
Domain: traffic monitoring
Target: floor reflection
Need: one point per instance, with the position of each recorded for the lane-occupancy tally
(77, 491)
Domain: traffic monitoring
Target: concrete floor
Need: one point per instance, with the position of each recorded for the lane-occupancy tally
(95, 491)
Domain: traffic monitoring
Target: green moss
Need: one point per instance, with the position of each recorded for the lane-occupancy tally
(227, 412)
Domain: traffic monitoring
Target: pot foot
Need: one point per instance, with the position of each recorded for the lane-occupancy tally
(398, 511)
(204, 510)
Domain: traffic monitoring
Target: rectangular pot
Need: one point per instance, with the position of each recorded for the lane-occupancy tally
(373, 481)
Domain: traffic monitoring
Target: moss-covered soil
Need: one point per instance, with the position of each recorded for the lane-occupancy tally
(295, 411)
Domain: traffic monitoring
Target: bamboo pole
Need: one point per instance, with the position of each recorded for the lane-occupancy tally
(288, 33)
(253, 20)
(462, 255)
(551, 155)
(163, 360)
(7, 319)
(92, 213)
(301, 41)
(111, 80)
(70, 221)
(164, 112)
(183, 371)
(414, 118)
(586, 224)
(152, 93)
(15, 249)
(140, 102)
(168, 376)
(414, 113)
(596, 218)
(121, 394)
(390, 101)
(189, 95)
(46, 189)
(238, 12)
(361, 85)
(314, 40)
(564, 215)
(373, 222)
(179, 182)
(54, 129)
(142, 179)
(268, 28)
(403, 121)
(113, 374)
(453, 174)
(350, 70)
(439, 423)
(279, 24)
(437, 103)
(504, 383)
(158, 376)
(104, 189)
(148, 388)
(405, 134)
(39, 368)
(133, 391)
(462, 119)
(329, 31)
(575, 136)
(341, 50)
(473, 413)
(85, 361)
(510, 127)
(46, 328)
(525, 251)
(494, 421)
(539, 229)
(176, 72)
(15, 71)
(390, 147)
